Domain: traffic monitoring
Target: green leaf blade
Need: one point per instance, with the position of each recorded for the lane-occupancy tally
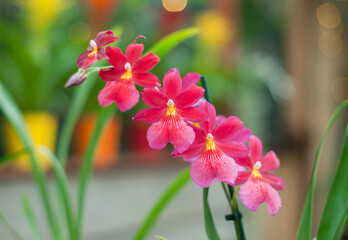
(210, 228)
(337, 202)
(305, 226)
(174, 187)
(167, 43)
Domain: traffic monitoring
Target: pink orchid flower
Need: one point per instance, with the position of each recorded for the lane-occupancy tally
(243, 134)
(211, 154)
(95, 50)
(170, 108)
(258, 185)
(127, 70)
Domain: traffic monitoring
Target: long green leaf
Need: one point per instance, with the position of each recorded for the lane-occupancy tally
(14, 116)
(79, 100)
(167, 43)
(305, 227)
(10, 227)
(208, 218)
(174, 187)
(29, 214)
(337, 201)
(10, 157)
(63, 187)
(87, 165)
(342, 225)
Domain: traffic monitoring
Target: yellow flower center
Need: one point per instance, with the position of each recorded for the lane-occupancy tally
(255, 172)
(95, 50)
(170, 108)
(128, 73)
(210, 145)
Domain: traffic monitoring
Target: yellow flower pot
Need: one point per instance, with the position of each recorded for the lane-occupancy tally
(43, 129)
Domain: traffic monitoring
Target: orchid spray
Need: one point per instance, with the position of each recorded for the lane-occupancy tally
(215, 146)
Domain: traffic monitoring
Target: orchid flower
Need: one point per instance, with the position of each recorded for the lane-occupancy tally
(211, 154)
(258, 185)
(127, 70)
(170, 108)
(95, 50)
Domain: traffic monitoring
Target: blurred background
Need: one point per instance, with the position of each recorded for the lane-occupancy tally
(281, 66)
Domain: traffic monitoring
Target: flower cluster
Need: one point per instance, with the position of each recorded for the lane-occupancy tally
(218, 148)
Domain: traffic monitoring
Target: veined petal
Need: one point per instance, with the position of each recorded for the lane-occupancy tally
(189, 96)
(146, 79)
(84, 61)
(134, 52)
(122, 92)
(228, 129)
(157, 135)
(145, 63)
(243, 176)
(110, 74)
(255, 146)
(200, 136)
(154, 98)
(191, 154)
(225, 169)
(252, 193)
(105, 38)
(151, 115)
(202, 173)
(116, 58)
(192, 114)
(180, 134)
(273, 201)
(101, 54)
(172, 83)
(233, 149)
(190, 79)
(269, 162)
(208, 125)
(276, 182)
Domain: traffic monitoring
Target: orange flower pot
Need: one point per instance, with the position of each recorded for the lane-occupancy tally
(43, 129)
(107, 151)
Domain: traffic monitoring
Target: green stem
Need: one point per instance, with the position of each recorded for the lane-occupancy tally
(232, 197)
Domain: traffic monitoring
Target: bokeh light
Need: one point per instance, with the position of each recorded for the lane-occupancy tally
(328, 16)
(174, 5)
(330, 43)
(215, 28)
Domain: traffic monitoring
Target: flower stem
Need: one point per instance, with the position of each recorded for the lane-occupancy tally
(231, 198)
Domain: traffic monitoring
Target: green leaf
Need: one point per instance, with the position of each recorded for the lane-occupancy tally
(159, 237)
(79, 100)
(208, 218)
(87, 164)
(14, 116)
(305, 227)
(29, 214)
(10, 157)
(337, 202)
(167, 43)
(10, 227)
(63, 191)
(174, 187)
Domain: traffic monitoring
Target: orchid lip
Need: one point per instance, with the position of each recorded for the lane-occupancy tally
(93, 43)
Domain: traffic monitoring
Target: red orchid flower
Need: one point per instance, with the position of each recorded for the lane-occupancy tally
(211, 154)
(127, 70)
(258, 185)
(170, 107)
(95, 50)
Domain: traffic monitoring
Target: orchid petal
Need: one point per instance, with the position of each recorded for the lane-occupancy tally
(110, 74)
(146, 79)
(105, 38)
(233, 149)
(252, 193)
(255, 146)
(154, 98)
(192, 114)
(208, 125)
(190, 79)
(134, 52)
(202, 173)
(276, 182)
(228, 129)
(269, 162)
(116, 58)
(84, 61)
(151, 115)
(157, 136)
(145, 63)
(243, 176)
(172, 83)
(273, 201)
(225, 169)
(189, 96)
